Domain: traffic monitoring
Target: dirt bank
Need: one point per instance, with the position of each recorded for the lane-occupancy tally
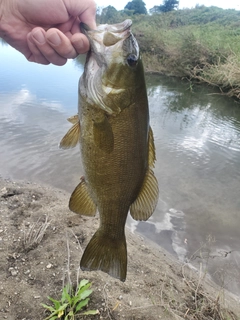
(35, 228)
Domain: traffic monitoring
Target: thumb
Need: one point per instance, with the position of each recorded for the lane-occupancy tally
(88, 17)
(85, 10)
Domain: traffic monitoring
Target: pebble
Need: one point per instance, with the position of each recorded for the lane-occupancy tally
(13, 272)
(4, 190)
(49, 266)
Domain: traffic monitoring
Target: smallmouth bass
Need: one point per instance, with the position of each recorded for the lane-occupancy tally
(117, 145)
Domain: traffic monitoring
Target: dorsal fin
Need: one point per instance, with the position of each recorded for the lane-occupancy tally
(151, 149)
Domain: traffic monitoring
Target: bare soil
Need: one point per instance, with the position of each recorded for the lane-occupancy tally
(41, 244)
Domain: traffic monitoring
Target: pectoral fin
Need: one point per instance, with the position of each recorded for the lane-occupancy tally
(143, 207)
(81, 201)
(103, 135)
(151, 149)
(73, 119)
(71, 138)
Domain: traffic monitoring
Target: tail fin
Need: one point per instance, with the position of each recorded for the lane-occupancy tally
(106, 254)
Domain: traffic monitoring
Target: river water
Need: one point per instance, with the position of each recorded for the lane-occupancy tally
(197, 137)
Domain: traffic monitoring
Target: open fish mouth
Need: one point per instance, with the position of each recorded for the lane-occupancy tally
(118, 27)
(106, 34)
(115, 28)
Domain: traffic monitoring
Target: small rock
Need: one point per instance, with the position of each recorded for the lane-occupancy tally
(49, 266)
(4, 190)
(14, 273)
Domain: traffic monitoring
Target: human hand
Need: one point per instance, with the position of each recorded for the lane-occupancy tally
(47, 31)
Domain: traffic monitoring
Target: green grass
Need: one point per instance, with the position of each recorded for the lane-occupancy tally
(72, 302)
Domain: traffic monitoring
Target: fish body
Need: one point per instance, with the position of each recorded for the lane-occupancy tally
(117, 146)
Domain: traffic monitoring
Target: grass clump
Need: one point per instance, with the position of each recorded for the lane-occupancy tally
(224, 75)
(200, 305)
(72, 302)
(35, 233)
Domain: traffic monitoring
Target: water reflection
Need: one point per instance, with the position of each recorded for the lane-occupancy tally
(197, 144)
(35, 102)
(198, 168)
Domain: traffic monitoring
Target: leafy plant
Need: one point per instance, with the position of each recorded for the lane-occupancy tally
(71, 303)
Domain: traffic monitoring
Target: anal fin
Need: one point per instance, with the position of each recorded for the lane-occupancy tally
(81, 201)
(142, 208)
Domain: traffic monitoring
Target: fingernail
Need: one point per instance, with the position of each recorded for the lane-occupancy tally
(39, 37)
(54, 39)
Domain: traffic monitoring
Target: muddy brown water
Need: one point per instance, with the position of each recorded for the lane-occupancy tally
(197, 137)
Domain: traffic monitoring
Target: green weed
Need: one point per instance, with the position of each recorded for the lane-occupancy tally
(72, 302)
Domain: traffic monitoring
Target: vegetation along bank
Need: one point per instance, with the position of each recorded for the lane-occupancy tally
(200, 44)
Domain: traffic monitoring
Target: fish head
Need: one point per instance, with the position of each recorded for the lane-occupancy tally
(113, 66)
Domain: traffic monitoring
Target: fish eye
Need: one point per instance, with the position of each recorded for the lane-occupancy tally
(132, 60)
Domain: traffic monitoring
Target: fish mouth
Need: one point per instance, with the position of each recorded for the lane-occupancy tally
(106, 34)
(104, 38)
(115, 28)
